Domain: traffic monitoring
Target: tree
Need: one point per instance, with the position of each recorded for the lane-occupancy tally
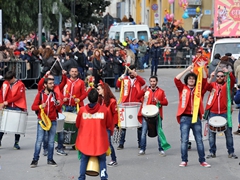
(21, 16)
(84, 9)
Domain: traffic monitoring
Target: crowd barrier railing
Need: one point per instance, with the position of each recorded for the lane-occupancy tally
(174, 59)
(24, 70)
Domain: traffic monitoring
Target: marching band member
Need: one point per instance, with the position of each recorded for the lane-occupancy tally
(106, 98)
(13, 97)
(92, 140)
(58, 89)
(187, 109)
(47, 105)
(219, 104)
(131, 85)
(74, 92)
(152, 95)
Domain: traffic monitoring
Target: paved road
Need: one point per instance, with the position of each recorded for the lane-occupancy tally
(16, 164)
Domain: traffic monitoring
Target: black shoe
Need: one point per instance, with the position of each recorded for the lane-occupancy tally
(120, 147)
(34, 164)
(52, 163)
(237, 132)
(189, 145)
(211, 156)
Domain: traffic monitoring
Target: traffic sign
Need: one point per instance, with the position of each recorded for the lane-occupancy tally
(155, 7)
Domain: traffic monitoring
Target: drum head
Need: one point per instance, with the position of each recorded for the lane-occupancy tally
(70, 117)
(61, 116)
(217, 121)
(150, 111)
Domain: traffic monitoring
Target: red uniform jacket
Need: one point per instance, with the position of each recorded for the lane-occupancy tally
(129, 93)
(51, 110)
(185, 97)
(92, 124)
(74, 89)
(14, 95)
(148, 98)
(217, 99)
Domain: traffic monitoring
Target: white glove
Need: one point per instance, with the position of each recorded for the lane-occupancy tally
(122, 76)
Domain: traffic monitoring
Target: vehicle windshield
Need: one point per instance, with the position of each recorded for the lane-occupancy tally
(224, 48)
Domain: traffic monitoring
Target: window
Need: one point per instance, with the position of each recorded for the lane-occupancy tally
(129, 34)
(233, 48)
(143, 35)
(117, 35)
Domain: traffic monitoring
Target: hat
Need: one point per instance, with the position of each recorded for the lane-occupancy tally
(133, 39)
(73, 47)
(21, 49)
(17, 53)
(228, 54)
(199, 51)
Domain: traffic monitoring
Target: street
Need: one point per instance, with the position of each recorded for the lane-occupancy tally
(15, 164)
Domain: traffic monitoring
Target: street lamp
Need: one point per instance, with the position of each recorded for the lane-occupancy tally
(39, 25)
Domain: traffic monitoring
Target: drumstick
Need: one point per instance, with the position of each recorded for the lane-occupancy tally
(60, 65)
(53, 65)
(217, 67)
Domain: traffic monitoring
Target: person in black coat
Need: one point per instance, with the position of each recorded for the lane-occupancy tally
(117, 68)
(155, 54)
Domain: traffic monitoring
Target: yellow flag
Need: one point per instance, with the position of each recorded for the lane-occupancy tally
(77, 106)
(197, 95)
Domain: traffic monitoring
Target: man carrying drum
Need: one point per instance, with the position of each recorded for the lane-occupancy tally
(186, 112)
(130, 86)
(219, 104)
(73, 95)
(156, 96)
(58, 89)
(47, 108)
(92, 122)
(13, 97)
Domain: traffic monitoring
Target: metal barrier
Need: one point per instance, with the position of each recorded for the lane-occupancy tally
(170, 59)
(24, 70)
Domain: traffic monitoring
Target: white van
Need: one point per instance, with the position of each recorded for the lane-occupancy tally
(121, 31)
(227, 45)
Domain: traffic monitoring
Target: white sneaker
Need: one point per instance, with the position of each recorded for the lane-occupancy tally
(141, 152)
(162, 153)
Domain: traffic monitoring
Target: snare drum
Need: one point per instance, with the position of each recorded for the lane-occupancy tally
(70, 129)
(150, 113)
(129, 114)
(217, 124)
(13, 121)
(60, 122)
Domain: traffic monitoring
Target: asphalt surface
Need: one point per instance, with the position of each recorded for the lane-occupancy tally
(15, 164)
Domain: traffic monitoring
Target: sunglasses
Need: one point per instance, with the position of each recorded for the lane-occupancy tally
(220, 76)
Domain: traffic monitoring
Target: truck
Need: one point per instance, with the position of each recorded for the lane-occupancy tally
(120, 32)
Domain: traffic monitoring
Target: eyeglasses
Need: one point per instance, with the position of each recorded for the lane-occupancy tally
(220, 76)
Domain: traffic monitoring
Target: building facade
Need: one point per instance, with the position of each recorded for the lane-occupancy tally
(153, 11)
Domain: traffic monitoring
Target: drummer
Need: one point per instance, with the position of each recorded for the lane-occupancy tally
(131, 86)
(58, 89)
(106, 98)
(152, 95)
(13, 97)
(92, 140)
(73, 93)
(217, 105)
(185, 114)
